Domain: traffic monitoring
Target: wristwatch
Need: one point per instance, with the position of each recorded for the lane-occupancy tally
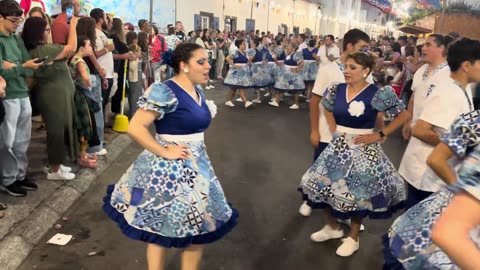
(382, 135)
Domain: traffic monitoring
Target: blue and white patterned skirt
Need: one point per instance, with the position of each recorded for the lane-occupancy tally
(239, 78)
(261, 75)
(354, 181)
(286, 80)
(310, 70)
(171, 203)
(272, 70)
(409, 238)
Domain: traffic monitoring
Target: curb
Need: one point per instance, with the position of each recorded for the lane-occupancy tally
(17, 245)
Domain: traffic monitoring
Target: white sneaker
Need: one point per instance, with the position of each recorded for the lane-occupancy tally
(348, 222)
(212, 86)
(248, 104)
(267, 95)
(210, 81)
(326, 233)
(258, 101)
(305, 210)
(239, 99)
(207, 87)
(262, 89)
(60, 175)
(302, 96)
(294, 107)
(348, 247)
(63, 168)
(229, 104)
(273, 103)
(287, 94)
(102, 152)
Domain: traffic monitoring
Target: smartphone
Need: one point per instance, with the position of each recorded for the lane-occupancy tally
(69, 11)
(41, 60)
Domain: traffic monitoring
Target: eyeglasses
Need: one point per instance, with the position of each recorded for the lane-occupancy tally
(15, 20)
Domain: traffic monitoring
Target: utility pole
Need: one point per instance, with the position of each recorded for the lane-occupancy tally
(442, 18)
(251, 10)
(151, 12)
(268, 15)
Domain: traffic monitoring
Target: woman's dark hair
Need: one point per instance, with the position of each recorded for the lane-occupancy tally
(33, 31)
(129, 26)
(143, 41)
(257, 41)
(171, 31)
(239, 42)
(379, 51)
(396, 47)
(10, 8)
(409, 50)
(419, 49)
(353, 37)
(182, 53)
(130, 37)
(198, 32)
(461, 51)
(155, 29)
(117, 29)
(82, 41)
(190, 33)
(442, 41)
(363, 59)
(86, 27)
(205, 37)
(312, 43)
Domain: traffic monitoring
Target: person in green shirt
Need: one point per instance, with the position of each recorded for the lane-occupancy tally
(15, 131)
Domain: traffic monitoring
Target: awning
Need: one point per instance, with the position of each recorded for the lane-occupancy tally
(414, 30)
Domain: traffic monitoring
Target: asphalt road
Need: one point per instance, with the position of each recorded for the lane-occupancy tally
(259, 155)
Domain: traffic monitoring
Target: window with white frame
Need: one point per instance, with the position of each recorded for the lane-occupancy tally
(205, 22)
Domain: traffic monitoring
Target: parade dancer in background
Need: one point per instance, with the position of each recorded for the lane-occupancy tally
(238, 76)
(310, 68)
(170, 196)
(261, 76)
(353, 178)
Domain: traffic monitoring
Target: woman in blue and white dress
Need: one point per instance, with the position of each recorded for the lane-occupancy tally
(170, 196)
(271, 64)
(289, 77)
(413, 240)
(353, 178)
(310, 67)
(238, 76)
(261, 76)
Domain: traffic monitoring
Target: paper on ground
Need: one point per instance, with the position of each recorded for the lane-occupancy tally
(60, 239)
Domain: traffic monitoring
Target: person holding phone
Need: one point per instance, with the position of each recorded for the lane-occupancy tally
(15, 131)
(60, 26)
(55, 94)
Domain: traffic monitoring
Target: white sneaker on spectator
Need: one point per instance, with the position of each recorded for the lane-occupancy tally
(348, 222)
(348, 247)
(287, 94)
(305, 210)
(210, 81)
(212, 86)
(207, 87)
(229, 104)
(274, 103)
(60, 175)
(294, 107)
(248, 104)
(326, 233)
(63, 168)
(267, 95)
(302, 96)
(102, 152)
(258, 101)
(239, 99)
(262, 89)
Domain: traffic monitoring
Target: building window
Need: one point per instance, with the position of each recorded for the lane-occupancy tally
(205, 22)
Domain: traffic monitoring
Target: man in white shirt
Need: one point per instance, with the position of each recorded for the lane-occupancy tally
(103, 51)
(302, 42)
(329, 52)
(425, 82)
(332, 73)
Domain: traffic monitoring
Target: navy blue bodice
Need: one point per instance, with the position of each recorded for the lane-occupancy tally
(188, 117)
(282, 56)
(290, 60)
(241, 58)
(342, 116)
(269, 56)
(258, 56)
(309, 55)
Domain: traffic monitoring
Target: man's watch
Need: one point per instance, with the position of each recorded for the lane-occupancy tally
(382, 135)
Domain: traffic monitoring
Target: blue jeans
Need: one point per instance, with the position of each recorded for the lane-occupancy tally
(99, 120)
(15, 135)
